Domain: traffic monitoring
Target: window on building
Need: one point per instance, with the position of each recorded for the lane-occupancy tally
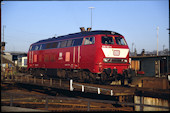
(25, 62)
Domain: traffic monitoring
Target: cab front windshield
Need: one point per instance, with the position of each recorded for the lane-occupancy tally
(120, 41)
(107, 40)
(110, 40)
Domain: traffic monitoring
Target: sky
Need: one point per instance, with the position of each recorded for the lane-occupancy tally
(27, 22)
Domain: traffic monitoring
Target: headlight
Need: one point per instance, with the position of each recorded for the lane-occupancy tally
(113, 60)
(105, 60)
(125, 60)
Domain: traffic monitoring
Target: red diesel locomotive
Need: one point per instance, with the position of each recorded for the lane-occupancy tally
(84, 56)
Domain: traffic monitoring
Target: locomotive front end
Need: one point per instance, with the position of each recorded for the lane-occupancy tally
(115, 56)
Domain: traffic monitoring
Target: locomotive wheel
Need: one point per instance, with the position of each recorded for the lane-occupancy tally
(81, 76)
(92, 77)
(85, 77)
(41, 73)
(35, 73)
(103, 78)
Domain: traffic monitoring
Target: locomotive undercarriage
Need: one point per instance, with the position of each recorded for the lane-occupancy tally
(106, 77)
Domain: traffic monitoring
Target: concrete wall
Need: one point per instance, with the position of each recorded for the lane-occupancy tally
(151, 101)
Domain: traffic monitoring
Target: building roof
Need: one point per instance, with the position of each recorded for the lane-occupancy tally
(146, 57)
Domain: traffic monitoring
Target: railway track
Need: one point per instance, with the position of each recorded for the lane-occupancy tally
(31, 99)
(57, 87)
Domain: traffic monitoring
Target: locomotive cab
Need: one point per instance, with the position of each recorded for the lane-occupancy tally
(115, 61)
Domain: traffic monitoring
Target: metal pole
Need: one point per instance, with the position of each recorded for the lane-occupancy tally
(91, 15)
(3, 32)
(157, 39)
(82, 88)
(98, 90)
(132, 48)
(111, 92)
(71, 85)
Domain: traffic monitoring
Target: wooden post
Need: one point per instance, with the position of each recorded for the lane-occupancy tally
(51, 81)
(16, 78)
(42, 80)
(12, 76)
(88, 106)
(21, 78)
(141, 102)
(34, 80)
(60, 82)
(28, 79)
(11, 100)
(46, 103)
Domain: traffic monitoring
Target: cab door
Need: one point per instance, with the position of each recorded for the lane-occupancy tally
(87, 53)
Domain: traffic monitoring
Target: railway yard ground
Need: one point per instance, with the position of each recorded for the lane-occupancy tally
(34, 100)
(24, 93)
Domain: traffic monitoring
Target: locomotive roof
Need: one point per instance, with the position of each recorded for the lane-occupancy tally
(79, 34)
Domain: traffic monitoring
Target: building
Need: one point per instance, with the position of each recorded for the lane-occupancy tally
(156, 66)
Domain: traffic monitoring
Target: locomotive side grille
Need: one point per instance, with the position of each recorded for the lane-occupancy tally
(113, 60)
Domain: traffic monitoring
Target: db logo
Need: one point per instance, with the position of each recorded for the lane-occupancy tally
(116, 52)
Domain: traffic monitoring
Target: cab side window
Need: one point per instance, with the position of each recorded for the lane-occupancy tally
(36, 47)
(77, 42)
(63, 44)
(89, 40)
